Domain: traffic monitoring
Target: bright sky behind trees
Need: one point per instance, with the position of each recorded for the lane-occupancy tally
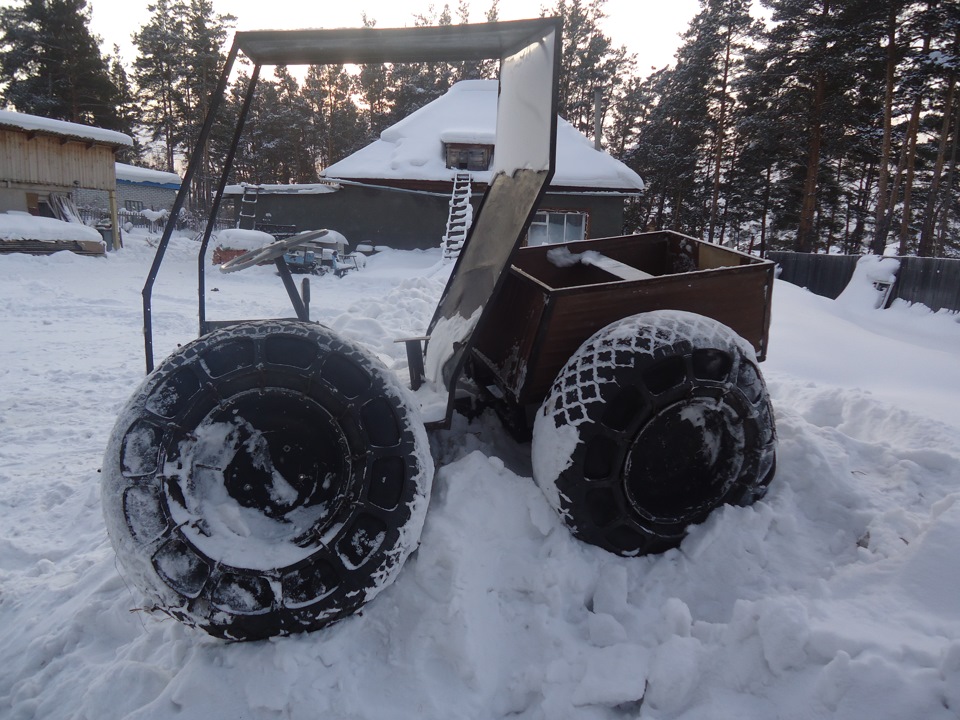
(648, 28)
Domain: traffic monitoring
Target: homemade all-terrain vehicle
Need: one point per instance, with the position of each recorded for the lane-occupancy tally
(271, 477)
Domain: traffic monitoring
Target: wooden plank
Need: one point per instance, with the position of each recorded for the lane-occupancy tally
(614, 267)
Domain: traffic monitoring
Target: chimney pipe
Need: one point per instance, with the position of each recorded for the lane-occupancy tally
(597, 119)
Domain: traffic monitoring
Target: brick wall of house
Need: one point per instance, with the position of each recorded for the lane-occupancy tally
(153, 198)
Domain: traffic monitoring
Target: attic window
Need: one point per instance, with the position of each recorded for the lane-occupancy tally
(462, 156)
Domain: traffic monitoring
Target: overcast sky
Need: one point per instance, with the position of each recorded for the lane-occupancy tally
(649, 28)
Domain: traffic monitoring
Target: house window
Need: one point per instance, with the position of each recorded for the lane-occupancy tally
(468, 157)
(550, 226)
(133, 205)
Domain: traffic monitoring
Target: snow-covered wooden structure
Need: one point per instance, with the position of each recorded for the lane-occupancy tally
(45, 161)
(402, 189)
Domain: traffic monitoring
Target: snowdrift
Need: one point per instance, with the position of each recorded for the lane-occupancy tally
(834, 597)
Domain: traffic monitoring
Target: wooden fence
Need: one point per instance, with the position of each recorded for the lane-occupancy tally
(934, 282)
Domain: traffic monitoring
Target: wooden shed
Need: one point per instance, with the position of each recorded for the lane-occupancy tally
(43, 161)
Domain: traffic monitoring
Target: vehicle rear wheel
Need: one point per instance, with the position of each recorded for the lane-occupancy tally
(654, 422)
(267, 479)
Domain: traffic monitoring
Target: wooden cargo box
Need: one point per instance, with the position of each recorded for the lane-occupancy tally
(547, 309)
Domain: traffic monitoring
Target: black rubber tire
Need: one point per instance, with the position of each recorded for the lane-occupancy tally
(269, 478)
(655, 421)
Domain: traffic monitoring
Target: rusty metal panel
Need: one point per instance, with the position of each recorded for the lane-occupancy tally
(49, 161)
(509, 345)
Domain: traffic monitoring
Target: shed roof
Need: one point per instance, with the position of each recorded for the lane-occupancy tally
(146, 176)
(412, 149)
(60, 128)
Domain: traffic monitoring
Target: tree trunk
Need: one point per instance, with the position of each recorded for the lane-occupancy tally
(766, 211)
(925, 248)
(805, 233)
(721, 132)
(879, 236)
(907, 214)
(948, 187)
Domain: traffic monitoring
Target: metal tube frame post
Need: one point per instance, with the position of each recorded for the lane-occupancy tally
(215, 209)
(178, 204)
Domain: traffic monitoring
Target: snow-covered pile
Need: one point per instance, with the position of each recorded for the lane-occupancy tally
(16, 225)
(834, 597)
(237, 239)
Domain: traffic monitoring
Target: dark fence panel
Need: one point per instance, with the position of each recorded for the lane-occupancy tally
(825, 275)
(934, 282)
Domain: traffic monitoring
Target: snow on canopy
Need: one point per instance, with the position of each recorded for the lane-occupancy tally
(146, 176)
(412, 149)
(61, 128)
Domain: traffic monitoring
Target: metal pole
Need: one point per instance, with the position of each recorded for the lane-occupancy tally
(195, 160)
(597, 119)
(215, 208)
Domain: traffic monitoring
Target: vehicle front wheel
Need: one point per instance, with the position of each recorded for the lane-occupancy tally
(269, 478)
(655, 421)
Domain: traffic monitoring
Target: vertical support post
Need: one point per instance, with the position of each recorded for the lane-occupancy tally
(115, 219)
(597, 119)
(305, 294)
(298, 307)
(415, 361)
(195, 160)
(218, 198)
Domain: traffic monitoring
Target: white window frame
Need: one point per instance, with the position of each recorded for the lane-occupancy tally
(539, 232)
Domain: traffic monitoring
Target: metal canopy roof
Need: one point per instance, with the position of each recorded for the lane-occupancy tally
(450, 43)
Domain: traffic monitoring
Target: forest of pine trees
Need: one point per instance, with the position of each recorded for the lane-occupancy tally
(811, 125)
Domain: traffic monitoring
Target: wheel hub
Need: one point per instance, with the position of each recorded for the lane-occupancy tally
(683, 461)
(261, 480)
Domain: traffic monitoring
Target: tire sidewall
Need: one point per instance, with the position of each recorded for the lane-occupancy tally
(564, 428)
(402, 524)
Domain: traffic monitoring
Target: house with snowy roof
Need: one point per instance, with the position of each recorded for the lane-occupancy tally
(421, 180)
(45, 161)
(144, 196)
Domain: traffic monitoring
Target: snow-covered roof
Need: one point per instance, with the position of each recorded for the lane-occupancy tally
(412, 149)
(60, 128)
(305, 189)
(146, 176)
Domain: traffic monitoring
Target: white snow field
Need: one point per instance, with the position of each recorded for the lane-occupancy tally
(837, 596)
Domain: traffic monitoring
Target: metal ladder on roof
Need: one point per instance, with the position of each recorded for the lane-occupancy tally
(459, 218)
(248, 207)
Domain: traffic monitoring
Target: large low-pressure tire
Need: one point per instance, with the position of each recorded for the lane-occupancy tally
(655, 421)
(269, 478)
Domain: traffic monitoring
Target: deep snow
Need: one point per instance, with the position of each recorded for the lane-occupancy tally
(834, 597)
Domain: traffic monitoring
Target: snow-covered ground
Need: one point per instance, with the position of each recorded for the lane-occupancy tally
(838, 596)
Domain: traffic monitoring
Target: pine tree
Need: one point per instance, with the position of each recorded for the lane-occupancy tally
(159, 72)
(51, 64)
(206, 33)
(126, 105)
(588, 61)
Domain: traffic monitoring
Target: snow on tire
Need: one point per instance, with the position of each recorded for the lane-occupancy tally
(655, 421)
(269, 478)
